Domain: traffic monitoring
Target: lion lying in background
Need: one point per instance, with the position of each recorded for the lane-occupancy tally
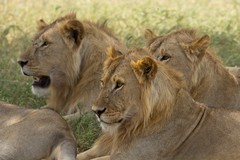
(65, 60)
(34, 134)
(145, 113)
(208, 81)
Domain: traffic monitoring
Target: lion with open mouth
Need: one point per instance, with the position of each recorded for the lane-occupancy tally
(65, 60)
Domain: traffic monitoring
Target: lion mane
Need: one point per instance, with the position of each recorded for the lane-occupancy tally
(65, 60)
(146, 113)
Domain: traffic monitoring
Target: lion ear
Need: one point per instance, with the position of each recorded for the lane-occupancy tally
(41, 24)
(145, 69)
(73, 33)
(201, 44)
(113, 53)
(197, 47)
(149, 36)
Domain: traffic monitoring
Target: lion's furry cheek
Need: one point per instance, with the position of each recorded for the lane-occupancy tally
(40, 91)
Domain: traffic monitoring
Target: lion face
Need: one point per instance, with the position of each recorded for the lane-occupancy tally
(180, 50)
(52, 58)
(114, 106)
(40, 62)
(174, 56)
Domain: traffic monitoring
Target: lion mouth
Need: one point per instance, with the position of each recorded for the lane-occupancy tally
(109, 123)
(41, 81)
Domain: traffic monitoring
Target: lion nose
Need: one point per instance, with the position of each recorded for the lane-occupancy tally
(22, 62)
(98, 111)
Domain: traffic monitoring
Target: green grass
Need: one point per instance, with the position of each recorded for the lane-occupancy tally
(86, 130)
(128, 19)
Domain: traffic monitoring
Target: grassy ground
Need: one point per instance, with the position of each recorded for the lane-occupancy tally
(128, 19)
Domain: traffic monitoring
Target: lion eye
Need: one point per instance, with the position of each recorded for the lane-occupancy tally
(43, 44)
(163, 57)
(118, 85)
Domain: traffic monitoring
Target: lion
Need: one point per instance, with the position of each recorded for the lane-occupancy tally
(208, 80)
(65, 59)
(34, 134)
(146, 112)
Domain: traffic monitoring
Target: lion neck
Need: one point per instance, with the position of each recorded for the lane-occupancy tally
(169, 135)
(187, 115)
(214, 85)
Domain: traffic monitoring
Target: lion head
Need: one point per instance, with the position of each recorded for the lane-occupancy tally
(186, 52)
(65, 61)
(180, 49)
(52, 59)
(137, 92)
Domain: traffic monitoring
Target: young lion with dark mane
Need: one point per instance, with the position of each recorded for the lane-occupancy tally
(65, 59)
(208, 81)
(146, 113)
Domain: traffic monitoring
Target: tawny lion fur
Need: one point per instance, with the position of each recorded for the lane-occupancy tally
(235, 71)
(71, 53)
(146, 113)
(34, 134)
(208, 80)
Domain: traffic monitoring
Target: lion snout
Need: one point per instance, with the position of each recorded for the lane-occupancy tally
(22, 63)
(98, 110)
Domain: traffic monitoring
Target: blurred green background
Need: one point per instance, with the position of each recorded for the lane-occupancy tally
(128, 19)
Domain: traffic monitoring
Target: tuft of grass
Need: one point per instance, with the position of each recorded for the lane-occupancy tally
(128, 19)
(86, 130)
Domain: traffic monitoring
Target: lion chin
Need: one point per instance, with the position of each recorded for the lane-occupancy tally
(109, 125)
(110, 128)
(40, 92)
(41, 85)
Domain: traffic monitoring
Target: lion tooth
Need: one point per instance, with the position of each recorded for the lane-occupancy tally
(36, 78)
